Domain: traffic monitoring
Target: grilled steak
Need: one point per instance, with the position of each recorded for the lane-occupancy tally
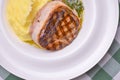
(55, 26)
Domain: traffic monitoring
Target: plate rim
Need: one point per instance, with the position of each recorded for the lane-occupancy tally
(23, 76)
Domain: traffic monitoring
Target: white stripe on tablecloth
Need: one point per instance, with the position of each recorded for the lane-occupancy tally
(118, 35)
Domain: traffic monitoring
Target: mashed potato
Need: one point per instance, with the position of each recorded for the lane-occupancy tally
(20, 14)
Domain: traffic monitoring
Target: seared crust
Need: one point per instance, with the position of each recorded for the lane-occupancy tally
(55, 26)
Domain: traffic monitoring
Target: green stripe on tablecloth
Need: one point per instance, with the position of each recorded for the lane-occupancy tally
(102, 75)
(117, 56)
(12, 77)
(93, 71)
(112, 67)
(3, 73)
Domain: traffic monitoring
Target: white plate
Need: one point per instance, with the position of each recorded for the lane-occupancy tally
(93, 41)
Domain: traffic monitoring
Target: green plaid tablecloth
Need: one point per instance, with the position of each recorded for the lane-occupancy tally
(107, 69)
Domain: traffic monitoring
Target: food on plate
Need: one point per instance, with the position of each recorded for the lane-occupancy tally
(49, 24)
(55, 26)
(20, 15)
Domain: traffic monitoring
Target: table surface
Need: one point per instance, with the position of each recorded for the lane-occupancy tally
(107, 69)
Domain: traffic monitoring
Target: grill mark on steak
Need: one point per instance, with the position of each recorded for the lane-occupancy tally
(60, 15)
(55, 29)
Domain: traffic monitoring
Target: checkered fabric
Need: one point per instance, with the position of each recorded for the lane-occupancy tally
(107, 69)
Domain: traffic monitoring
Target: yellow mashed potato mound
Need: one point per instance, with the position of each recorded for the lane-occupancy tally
(20, 14)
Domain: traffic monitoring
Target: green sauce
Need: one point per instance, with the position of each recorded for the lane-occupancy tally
(75, 5)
